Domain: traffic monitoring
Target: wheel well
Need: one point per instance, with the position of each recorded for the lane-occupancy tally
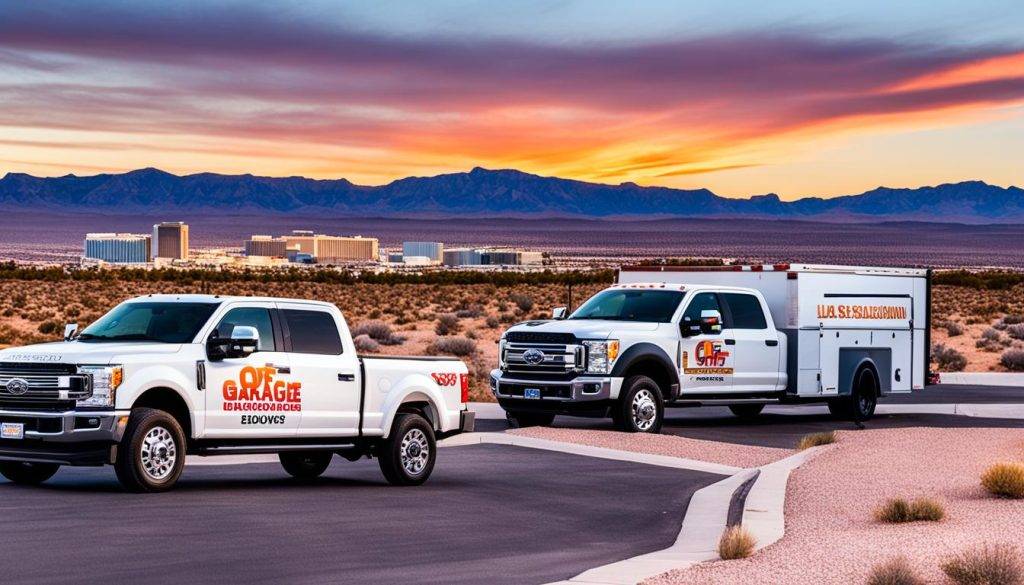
(422, 408)
(870, 366)
(170, 402)
(653, 369)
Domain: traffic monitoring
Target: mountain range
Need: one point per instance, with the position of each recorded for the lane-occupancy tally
(488, 193)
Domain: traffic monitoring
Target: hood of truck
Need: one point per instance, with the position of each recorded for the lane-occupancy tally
(81, 352)
(586, 328)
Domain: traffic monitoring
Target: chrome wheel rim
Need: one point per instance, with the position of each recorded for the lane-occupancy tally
(644, 409)
(415, 451)
(158, 453)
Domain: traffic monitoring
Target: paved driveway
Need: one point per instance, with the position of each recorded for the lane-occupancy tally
(490, 514)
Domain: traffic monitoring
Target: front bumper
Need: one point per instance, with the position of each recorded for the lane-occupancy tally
(73, 437)
(581, 396)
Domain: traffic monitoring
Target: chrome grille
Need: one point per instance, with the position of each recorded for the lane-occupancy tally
(558, 359)
(42, 382)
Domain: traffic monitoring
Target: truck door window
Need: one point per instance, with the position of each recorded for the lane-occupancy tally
(313, 332)
(251, 317)
(701, 302)
(746, 311)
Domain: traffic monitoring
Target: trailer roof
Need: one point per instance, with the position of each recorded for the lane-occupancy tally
(781, 267)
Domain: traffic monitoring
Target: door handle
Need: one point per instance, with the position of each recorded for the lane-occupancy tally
(280, 369)
(771, 342)
(730, 342)
(346, 377)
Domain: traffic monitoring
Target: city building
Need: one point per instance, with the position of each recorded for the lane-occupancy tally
(325, 249)
(118, 248)
(395, 257)
(301, 241)
(268, 246)
(432, 250)
(170, 240)
(462, 257)
(491, 257)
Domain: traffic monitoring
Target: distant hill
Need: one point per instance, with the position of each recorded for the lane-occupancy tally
(488, 193)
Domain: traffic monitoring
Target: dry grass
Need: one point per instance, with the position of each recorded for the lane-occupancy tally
(998, 564)
(1005, 480)
(815, 440)
(898, 510)
(736, 543)
(896, 571)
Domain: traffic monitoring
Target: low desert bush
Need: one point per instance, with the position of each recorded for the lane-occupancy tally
(992, 334)
(524, 302)
(986, 565)
(954, 329)
(1016, 330)
(736, 543)
(492, 322)
(1013, 359)
(948, 359)
(459, 346)
(896, 571)
(447, 324)
(1005, 480)
(378, 331)
(365, 343)
(898, 510)
(816, 439)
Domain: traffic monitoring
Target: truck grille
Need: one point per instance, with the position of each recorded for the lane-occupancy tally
(543, 360)
(30, 382)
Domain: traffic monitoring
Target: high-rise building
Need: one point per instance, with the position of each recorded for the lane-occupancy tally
(268, 246)
(337, 249)
(491, 257)
(432, 250)
(302, 241)
(170, 240)
(118, 248)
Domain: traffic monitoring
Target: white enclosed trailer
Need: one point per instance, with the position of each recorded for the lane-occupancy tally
(835, 319)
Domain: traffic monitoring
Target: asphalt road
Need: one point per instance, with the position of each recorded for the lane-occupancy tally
(490, 514)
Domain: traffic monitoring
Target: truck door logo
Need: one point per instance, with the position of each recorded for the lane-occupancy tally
(711, 358)
(257, 391)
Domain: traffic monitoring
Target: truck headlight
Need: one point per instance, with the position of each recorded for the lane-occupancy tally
(601, 355)
(105, 380)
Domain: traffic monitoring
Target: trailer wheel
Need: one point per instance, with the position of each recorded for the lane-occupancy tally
(746, 411)
(641, 408)
(518, 420)
(306, 464)
(151, 454)
(860, 404)
(26, 472)
(407, 456)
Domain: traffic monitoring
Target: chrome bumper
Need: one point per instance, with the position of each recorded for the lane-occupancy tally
(580, 389)
(72, 426)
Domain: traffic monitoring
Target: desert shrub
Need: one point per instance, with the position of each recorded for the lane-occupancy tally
(898, 510)
(1005, 480)
(470, 312)
(927, 510)
(736, 543)
(524, 302)
(954, 329)
(816, 439)
(365, 343)
(447, 324)
(948, 359)
(472, 334)
(992, 334)
(1012, 319)
(49, 327)
(1016, 330)
(378, 331)
(492, 322)
(1013, 359)
(986, 565)
(459, 346)
(896, 571)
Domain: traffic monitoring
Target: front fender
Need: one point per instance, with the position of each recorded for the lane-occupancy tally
(647, 351)
(157, 376)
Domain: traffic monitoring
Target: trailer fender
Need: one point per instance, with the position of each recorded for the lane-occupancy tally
(852, 359)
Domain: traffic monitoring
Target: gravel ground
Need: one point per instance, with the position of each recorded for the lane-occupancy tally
(831, 536)
(710, 451)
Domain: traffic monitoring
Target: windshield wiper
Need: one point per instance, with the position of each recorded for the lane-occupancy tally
(594, 318)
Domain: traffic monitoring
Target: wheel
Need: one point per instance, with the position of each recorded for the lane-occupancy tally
(306, 464)
(860, 404)
(641, 409)
(518, 420)
(151, 454)
(746, 410)
(26, 472)
(407, 456)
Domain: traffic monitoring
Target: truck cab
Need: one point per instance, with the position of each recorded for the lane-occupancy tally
(741, 337)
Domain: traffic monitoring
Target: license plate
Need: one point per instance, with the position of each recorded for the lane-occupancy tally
(531, 393)
(12, 431)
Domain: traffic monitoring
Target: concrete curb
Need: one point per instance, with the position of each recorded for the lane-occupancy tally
(983, 379)
(764, 508)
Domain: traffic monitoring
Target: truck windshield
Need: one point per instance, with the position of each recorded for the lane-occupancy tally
(651, 306)
(150, 321)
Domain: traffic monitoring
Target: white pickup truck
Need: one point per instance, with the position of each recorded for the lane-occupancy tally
(162, 376)
(737, 336)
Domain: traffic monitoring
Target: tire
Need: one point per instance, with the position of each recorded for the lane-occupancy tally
(26, 472)
(747, 411)
(860, 404)
(306, 465)
(151, 455)
(641, 408)
(518, 420)
(407, 456)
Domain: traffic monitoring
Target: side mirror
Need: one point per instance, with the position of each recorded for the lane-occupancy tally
(69, 331)
(558, 313)
(244, 341)
(710, 322)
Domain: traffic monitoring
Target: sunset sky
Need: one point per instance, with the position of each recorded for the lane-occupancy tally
(797, 98)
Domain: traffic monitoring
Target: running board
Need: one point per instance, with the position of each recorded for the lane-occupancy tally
(722, 401)
(261, 449)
